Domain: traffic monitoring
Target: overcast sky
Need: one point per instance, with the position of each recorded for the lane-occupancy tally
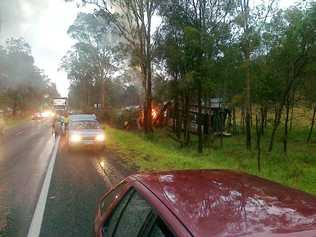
(44, 24)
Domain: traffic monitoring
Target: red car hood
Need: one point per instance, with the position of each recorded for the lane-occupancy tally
(226, 203)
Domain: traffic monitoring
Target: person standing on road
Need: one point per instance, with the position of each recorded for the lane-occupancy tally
(54, 125)
(66, 121)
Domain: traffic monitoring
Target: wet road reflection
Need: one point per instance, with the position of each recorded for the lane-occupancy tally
(25, 153)
(80, 178)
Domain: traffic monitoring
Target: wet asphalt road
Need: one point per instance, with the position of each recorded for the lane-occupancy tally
(79, 179)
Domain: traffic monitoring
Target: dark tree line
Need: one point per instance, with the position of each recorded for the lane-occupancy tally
(259, 59)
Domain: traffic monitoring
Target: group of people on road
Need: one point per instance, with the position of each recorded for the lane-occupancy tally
(60, 124)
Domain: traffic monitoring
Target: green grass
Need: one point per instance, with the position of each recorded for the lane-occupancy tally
(159, 152)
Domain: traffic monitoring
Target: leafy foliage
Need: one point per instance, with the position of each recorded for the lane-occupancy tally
(23, 86)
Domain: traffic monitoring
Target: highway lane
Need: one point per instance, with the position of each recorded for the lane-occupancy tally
(24, 155)
(79, 178)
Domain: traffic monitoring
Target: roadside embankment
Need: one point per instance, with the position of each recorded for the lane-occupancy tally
(159, 152)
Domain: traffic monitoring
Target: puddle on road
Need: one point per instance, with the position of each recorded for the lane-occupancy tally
(100, 166)
(107, 171)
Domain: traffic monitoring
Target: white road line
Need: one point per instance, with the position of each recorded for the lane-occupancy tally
(36, 224)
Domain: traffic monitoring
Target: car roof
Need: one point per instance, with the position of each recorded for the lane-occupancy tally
(82, 117)
(229, 203)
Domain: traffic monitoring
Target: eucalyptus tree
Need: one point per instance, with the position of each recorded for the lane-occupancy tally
(94, 43)
(19, 70)
(310, 96)
(229, 82)
(80, 73)
(194, 29)
(290, 58)
(267, 81)
(308, 89)
(173, 53)
(250, 19)
(23, 85)
(133, 20)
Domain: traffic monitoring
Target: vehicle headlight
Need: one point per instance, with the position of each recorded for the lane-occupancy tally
(74, 138)
(100, 137)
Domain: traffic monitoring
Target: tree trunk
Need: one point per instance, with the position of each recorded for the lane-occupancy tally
(248, 129)
(277, 119)
(103, 94)
(187, 121)
(248, 102)
(262, 112)
(174, 121)
(259, 123)
(148, 128)
(221, 127)
(234, 121)
(292, 115)
(15, 104)
(200, 132)
(177, 126)
(148, 100)
(265, 118)
(87, 96)
(145, 122)
(229, 127)
(146, 50)
(242, 120)
(312, 125)
(287, 115)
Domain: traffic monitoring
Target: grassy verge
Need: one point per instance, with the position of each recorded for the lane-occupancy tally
(297, 170)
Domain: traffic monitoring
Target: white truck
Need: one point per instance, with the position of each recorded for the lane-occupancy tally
(60, 105)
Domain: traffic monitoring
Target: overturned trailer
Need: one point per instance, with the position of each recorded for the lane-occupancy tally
(215, 117)
(132, 117)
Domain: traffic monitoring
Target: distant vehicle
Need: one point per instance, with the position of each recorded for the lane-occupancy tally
(60, 105)
(205, 203)
(47, 114)
(37, 116)
(85, 132)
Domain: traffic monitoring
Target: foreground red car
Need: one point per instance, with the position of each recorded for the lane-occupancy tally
(205, 203)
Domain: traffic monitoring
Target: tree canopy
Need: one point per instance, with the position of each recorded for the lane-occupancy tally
(23, 86)
(258, 58)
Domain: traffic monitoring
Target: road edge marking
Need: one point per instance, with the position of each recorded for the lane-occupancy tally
(37, 219)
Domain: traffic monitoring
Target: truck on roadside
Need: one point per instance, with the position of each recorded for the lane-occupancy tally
(60, 105)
